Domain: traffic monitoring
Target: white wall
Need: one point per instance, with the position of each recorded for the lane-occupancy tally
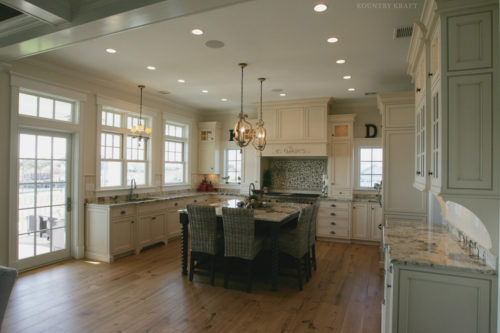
(366, 112)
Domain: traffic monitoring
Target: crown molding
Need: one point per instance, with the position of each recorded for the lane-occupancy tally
(405, 97)
(108, 84)
(305, 102)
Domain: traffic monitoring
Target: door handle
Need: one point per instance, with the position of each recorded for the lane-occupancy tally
(333, 214)
(333, 205)
(333, 232)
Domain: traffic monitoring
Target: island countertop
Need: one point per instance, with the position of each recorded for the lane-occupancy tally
(276, 212)
(417, 243)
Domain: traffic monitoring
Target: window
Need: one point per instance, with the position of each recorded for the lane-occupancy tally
(175, 153)
(46, 107)
(233, 166)
(370, 166)
(123, 157)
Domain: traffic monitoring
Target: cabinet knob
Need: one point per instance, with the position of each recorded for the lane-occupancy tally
(122, 212)
(353, 207)
(373, 208)
(175, 204)
(132, 222)
(333, 223)
(383, 302)
(430, 74)
(418, 173)
(153, 218)
(195, 200)
(418, 89)
(379, 226)
(333, 214)
(389, 286)
(333, 205)
(429, 173)
(332, 232)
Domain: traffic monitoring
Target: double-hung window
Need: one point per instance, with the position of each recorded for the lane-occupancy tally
(175, 148)
(123, 156)
(370, 167)
(232, 165)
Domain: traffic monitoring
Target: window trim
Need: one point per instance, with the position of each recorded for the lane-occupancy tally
(185, 147)
(124, 132)
(357, 145)
(226, 149)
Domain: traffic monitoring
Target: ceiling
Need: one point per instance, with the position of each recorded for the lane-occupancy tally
(282, 40)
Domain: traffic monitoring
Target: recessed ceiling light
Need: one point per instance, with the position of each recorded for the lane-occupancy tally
(151, 68)
(351, 89)
(340, 61)
(181, 81)
(205, 91)
(223, 99)
(347, 77)
(197, 32)
(112, 51)
(320, 7)
(283, 94)
(332, 40)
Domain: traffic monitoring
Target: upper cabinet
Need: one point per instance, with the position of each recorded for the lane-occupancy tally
(453, 60)
(299, 121)
(208, 147)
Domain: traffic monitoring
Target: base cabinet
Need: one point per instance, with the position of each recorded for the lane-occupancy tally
(431, 300)
(366, 219)
(151, 230)
(122, 235)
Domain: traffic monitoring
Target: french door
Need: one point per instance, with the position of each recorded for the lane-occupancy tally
(43, 198)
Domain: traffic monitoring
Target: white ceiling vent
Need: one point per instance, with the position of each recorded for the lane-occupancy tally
(403, 32)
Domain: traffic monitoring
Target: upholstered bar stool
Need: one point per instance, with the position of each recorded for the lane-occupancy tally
(240, 240)
(295, 243)
(204, 239)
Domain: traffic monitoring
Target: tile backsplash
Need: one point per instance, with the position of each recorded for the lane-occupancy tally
(297, 174)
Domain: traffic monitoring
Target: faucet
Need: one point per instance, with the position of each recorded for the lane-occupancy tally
(133, 186)
(251, 188)
(378, 187)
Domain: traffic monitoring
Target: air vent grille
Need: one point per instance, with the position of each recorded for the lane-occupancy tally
(403, 32)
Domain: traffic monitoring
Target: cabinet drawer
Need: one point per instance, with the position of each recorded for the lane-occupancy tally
(331, 221)
(337, 231)
(334, 205)
(335, 213)
(122, 211)
(176, 204)
(150, 208)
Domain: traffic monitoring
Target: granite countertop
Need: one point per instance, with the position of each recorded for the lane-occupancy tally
(160, 198)
(417, 243)
(276, 212)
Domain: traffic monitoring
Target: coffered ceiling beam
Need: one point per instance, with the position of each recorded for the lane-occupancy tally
(50, 11)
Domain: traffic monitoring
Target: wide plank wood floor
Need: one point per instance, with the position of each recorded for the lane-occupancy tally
(147, 293)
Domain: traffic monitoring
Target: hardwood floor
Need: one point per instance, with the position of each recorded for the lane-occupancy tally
(147, 293)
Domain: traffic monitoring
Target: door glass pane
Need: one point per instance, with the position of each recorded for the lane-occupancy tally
(43, 186)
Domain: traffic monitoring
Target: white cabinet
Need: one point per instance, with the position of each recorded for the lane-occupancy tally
(400, 195)
(376, 221)
(333, 220)
(457, 100)
(360, 230)
(296, 121)
(151, 230)
(122, 235)
(208, 147)
(340, 129)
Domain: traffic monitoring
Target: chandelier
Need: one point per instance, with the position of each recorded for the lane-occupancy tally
(243, 131)
(139, 131)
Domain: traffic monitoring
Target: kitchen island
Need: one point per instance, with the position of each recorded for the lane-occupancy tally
(271, 218)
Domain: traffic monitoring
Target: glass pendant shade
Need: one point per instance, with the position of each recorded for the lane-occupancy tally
(242, 131)
(134, 129)
(139, 131)
(148, 130)
(259, 133)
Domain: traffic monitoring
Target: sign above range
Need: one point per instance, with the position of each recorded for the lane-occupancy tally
(297, 127)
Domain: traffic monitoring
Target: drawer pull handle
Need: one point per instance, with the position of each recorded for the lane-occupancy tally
(333, 223)
(333, 232)
(132, 222)
(389, 286)
(334, 205)
(122, 212)
(379, 226)
(175, 204)
(333, 214)
(195, 200)
(154, 218)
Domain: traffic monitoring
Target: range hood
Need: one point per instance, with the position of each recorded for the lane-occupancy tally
(296, 150)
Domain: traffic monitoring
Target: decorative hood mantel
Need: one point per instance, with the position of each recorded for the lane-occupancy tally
(296, 127)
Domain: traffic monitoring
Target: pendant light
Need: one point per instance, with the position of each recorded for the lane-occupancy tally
(139, 131)
(259, 133)
(242, 128)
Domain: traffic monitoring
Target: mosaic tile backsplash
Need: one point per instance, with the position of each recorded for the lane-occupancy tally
(297, 174)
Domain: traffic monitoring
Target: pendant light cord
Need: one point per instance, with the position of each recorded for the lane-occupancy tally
(242, 66)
